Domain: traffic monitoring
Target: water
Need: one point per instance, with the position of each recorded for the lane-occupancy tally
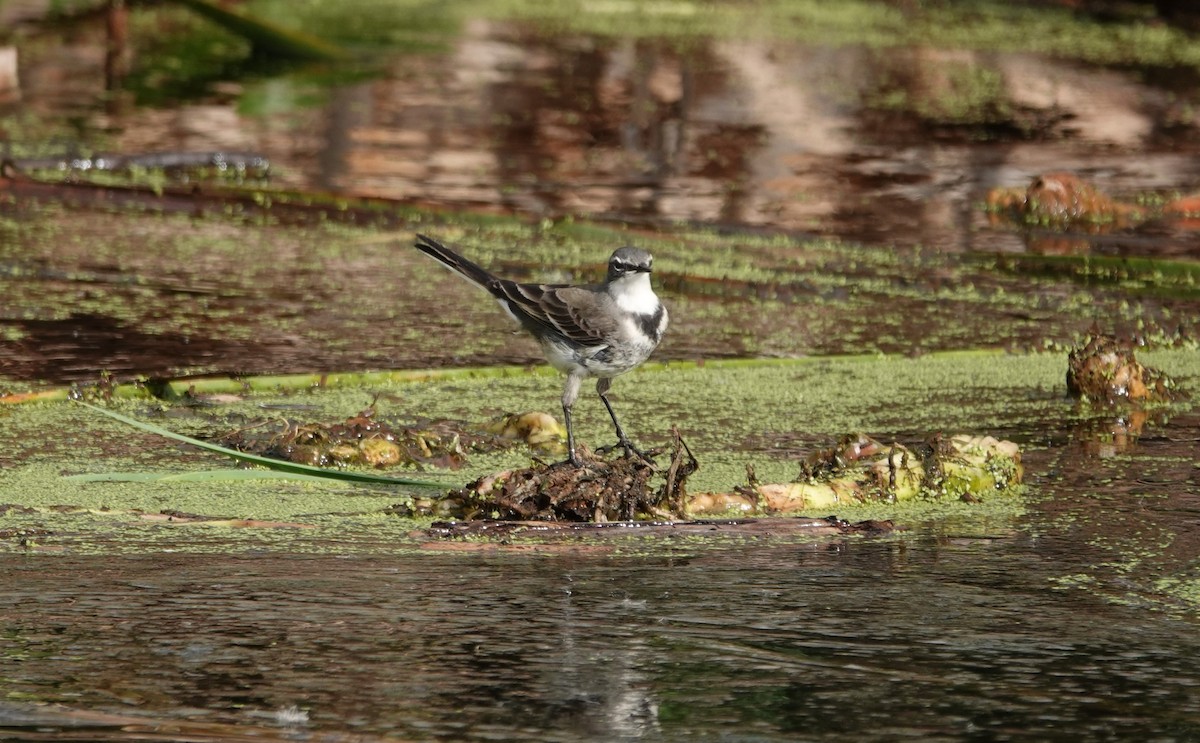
(1077, 621)
(948, 639)
(1054, 625)
(786, 137)
(776, 134)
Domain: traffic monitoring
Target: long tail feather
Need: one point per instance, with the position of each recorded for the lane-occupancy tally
(472, 272)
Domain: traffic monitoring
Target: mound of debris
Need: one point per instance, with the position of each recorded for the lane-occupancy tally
(605, 488)
(1063, 200)
(858, 470)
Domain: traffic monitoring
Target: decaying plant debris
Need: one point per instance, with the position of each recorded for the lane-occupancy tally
(860, 469)
(615, 488)
(365, 440)
(1065, 200)
(1105, 369)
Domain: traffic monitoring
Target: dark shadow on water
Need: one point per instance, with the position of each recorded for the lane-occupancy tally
(81, 347)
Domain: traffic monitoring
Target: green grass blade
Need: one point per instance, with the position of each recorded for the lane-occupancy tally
(226, 475)
(273, 464)
(115, 477)
(265, 36)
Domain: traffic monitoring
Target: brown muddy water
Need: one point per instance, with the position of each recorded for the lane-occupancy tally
(723, 151)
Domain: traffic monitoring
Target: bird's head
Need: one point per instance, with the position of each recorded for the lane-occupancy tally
(629, 261)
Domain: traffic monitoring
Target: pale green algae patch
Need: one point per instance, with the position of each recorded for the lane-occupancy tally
(737, 400)
(1185, 591)
(765, 413)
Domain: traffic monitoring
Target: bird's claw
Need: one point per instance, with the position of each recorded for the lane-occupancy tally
(631, 452)
(572, 460)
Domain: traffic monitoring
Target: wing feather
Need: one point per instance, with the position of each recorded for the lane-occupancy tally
(567, 312)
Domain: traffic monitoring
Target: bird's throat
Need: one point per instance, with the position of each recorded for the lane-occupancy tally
(634, 294)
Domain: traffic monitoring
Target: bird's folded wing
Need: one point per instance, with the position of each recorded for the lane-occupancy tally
(574, 313)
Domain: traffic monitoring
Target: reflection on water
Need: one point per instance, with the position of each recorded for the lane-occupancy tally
(895, 146)
(864, 640)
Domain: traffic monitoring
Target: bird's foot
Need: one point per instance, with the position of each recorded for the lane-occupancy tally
(572, 460)
(631, 452)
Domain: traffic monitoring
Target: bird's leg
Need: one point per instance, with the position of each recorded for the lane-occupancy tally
(569, 396)
(602, 386)
(571, 458)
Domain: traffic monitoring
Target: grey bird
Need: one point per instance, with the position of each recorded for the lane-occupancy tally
(599, 330)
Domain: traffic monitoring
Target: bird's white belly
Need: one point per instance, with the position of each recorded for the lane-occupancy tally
(599, 361)
(564, 358)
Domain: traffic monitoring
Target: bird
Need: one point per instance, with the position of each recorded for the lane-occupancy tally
(595, 330)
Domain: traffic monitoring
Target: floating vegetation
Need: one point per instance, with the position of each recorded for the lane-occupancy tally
(862, 470)
(1062, 200)
(1063, 203)
(360, 440)
(540, 430)
(206, 390)
(1105, 369)
(858, 470)
(268, 462)
(364, 440)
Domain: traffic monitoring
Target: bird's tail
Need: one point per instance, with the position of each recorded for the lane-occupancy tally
(472, 272)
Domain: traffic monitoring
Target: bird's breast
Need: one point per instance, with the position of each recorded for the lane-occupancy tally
(652, 324)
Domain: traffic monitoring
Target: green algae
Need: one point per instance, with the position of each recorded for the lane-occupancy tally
(731, 414)
(1183, 590)
(1135, 275)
